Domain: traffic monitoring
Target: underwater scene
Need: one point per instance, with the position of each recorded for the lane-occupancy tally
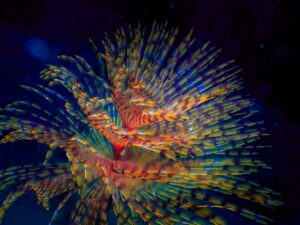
(149, 112)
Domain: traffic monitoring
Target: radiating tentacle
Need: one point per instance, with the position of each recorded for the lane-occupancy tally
(159, 133)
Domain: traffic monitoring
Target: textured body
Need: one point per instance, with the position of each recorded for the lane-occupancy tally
(158, 131)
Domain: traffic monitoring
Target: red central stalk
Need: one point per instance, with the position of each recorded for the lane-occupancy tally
(117, 148)
(117, 151)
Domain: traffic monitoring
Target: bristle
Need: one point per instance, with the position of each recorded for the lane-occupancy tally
(160, 133)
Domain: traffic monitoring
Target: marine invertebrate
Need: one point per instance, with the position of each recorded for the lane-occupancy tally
(158, 132)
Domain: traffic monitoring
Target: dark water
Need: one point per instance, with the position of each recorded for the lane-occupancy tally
(260, 35)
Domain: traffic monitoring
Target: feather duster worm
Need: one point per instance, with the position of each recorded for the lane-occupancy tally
(159, 134)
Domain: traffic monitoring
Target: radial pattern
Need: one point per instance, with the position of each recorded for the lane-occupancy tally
(156, 132)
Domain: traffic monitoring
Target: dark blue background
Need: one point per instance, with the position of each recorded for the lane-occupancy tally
(260, 35)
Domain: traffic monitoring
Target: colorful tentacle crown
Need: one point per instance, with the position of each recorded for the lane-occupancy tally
(154, 132)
